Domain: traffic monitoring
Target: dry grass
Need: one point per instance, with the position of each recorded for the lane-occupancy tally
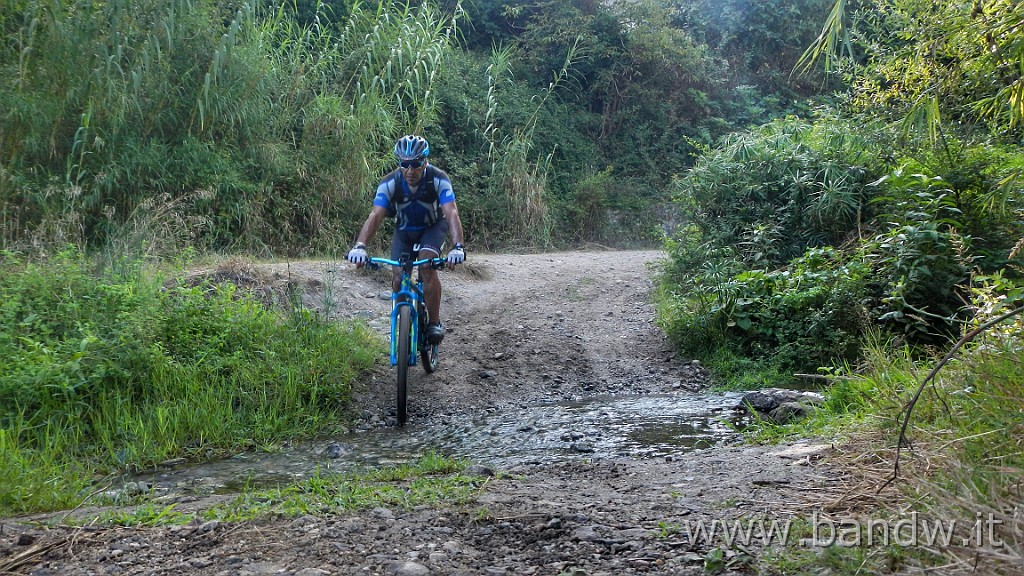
(271, 288)
(936, 488)
(862, 466)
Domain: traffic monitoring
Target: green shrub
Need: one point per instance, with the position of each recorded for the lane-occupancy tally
(780, 189)
(800, 236)
(797, 318)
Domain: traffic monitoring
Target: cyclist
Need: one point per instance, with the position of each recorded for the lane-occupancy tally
(420, 197)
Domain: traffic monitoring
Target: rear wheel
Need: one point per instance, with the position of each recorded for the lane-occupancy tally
(428, 351)
(404, 342)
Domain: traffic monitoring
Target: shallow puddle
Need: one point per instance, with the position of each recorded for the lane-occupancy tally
(664, 426)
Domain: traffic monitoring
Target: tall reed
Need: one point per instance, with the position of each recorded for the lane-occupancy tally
(273, 130)
(518, 172)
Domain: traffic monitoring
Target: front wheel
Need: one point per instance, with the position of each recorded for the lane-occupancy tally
(404, 343)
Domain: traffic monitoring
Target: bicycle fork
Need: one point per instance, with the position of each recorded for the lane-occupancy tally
(397, 303)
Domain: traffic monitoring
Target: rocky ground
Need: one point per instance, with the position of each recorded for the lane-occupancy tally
(521, 329)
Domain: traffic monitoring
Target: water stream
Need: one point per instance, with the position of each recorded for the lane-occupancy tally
(664, 426)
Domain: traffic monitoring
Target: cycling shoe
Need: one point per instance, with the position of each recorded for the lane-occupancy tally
(435, 333)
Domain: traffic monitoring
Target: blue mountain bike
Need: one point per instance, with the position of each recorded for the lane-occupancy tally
(409, 321)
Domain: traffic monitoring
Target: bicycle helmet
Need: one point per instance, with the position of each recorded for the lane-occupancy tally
(411, 148)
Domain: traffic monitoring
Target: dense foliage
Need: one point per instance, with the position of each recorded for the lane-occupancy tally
(205, 123)
(854, 243)
(262, 127)
(803, 234)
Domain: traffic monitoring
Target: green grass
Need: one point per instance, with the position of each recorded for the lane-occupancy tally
(148, 514)
(431, 480)
(731, 371)
(116, 370)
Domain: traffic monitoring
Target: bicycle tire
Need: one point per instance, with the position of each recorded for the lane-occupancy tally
(428, 351)
(404, 343)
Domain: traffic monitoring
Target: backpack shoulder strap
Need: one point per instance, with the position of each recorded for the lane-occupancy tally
(400, 187)
(430, 173)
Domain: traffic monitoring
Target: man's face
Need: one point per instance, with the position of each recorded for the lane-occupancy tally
(412, 172)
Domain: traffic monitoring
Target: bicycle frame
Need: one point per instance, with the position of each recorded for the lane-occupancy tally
(410, 293)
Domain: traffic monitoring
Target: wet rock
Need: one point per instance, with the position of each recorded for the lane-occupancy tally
(788, 411)
(334, 451)
(779, 404)
(758, 401)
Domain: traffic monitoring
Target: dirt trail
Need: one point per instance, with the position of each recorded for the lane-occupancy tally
(528, 328)
(521, 329)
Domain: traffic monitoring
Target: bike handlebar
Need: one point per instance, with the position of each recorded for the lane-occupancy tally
(435, 263)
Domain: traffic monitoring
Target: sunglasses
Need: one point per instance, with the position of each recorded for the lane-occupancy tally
(411, 164)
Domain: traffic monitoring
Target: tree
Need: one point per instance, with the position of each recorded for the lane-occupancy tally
(931, 63)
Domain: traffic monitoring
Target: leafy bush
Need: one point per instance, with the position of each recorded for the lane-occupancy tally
(798, 318)
(780, 189)
(799, 236)
(921, 261)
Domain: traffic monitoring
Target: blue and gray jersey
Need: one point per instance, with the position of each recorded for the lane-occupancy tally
(415, 209)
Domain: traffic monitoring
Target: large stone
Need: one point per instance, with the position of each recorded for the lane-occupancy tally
(408, 569)
(788, 411)
(779, 404)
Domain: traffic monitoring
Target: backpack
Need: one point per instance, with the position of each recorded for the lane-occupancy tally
(427, 194)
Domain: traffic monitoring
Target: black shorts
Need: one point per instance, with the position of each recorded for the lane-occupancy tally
(431, 238)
